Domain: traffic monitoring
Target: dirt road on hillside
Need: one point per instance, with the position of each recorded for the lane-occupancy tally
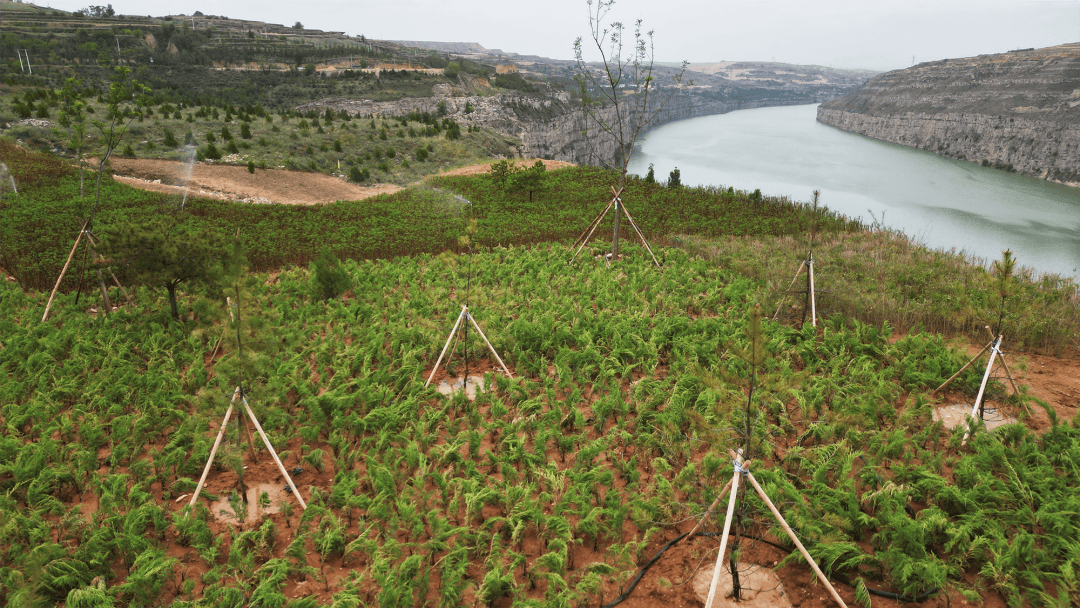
(234, 182)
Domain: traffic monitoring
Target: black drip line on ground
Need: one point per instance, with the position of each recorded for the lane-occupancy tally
(738, 468)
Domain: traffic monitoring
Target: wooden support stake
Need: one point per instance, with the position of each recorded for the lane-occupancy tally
(595, 225)
(213, 450)
(776, 314)
(982, 387)
(641, 236)
(795, 539)
(966, 365)
(709, 511)
(98, 256)
(273, 454)
(1008, 372)
(595, 219)
(813, 299)
(447, 345)
(63, 271)
(497, 357)
(723, 541)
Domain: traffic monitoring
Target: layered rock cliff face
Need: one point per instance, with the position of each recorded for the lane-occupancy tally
(549, 124)
(1017, 111)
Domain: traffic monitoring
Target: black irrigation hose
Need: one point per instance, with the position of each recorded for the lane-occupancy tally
(641, 573)
(839, 577)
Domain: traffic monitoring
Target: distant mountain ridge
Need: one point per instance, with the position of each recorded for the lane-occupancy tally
(462, 48)
(1018, 111)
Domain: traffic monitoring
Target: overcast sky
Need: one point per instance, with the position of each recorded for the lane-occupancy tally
(870, 34)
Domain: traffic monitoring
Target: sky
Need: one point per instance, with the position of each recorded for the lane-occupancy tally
(855, 34)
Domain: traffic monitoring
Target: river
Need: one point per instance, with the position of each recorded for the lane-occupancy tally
(940, 202)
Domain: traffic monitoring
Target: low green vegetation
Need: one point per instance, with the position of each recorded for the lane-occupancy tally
(605, 440)
(884, 277)
(550, 488)
(397, 150)
(35, 236)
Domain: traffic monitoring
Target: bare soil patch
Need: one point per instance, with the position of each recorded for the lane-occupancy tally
(233, 182)
(281, 186)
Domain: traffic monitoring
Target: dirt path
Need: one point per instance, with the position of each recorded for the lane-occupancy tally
(235, 183)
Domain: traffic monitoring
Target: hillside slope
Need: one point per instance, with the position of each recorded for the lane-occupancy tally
(1016, 111)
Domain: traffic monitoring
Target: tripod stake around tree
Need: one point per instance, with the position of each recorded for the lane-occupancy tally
(808, 264)
(266, 442)
(978, 409)
(461, 317)
(617, 203)
(743, 469)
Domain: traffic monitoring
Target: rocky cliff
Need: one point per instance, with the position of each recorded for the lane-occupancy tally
(1018, 111)
(548, 123)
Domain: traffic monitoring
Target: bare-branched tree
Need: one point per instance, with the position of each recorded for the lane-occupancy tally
(620, 96)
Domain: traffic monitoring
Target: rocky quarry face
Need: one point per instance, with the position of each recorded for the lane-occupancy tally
(549, 124)
(1018, 111)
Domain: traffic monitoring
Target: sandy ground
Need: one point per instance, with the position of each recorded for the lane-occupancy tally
(234, 182)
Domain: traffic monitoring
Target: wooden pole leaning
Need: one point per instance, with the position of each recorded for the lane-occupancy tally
(1001, 355)
(982, 387)
(213, 450)
(589, 231)
(709, 511)
(486, 341)
(966, 365)
(737, 463)
(596, 219)
(453, 332)
(63, 271)
(641, 236)
(806, 554)
(98, 256)
(273, 454)
(776, 314)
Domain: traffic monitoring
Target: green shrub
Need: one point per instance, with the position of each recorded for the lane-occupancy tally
(331, 278)
(358, 175)
(170, 139)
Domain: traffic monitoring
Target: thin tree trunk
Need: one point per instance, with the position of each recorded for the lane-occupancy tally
(106, 302)
(82, 276)
(615, 238)
(172, 301)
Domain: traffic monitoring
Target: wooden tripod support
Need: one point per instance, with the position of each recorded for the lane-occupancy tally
(465, 315)
(743, 469)
(616, 202)
(808, 264)
(994, 346)
(266, 442)
(64, 270)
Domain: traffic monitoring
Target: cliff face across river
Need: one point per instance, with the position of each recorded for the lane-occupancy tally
(1018, 111)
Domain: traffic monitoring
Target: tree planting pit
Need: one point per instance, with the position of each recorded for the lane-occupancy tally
(223, 510)
(760, 587)
(956, 414)
(452, 385)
